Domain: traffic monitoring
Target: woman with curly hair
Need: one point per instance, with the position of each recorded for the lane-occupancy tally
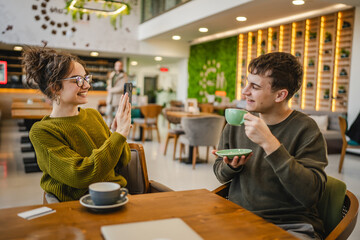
(74, 146)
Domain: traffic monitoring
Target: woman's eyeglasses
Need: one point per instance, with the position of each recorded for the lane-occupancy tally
(80, 80)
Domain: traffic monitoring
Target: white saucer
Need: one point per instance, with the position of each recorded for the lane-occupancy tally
(87, 202)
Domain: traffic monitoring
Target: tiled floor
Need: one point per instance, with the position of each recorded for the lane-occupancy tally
(19, 189)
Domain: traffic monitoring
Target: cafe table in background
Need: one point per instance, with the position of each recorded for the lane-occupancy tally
(209, 215)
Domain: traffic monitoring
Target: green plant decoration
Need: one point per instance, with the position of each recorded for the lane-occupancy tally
(312, 35)
(327, 37)
(109, 9)
(212, 66)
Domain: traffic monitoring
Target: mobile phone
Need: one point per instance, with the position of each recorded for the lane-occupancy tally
(128, 87)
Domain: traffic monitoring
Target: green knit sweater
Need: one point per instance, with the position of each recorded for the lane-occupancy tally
(285, 186)
(75, 151)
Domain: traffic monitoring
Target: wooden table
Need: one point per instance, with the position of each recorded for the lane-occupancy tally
(30, 113)
(211, 216)
(189, 114)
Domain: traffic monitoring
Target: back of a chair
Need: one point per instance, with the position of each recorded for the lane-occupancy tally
(151, 110)
(331, 203)
(136, 171)
(206, 107)
(343, 127)
(203, 131)
(171, 119)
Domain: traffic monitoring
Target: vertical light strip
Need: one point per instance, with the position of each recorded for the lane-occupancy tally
(239, 68)
(320, 54)
(281, 38)
(259, 37)
(293, 36)
(269, 40)
(303, 94)
(292, 49)
(248, 53)
(337, 53)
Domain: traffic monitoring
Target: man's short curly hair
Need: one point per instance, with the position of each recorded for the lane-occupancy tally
(284, 69)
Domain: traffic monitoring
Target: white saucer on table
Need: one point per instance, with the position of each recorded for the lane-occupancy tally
(87, 202)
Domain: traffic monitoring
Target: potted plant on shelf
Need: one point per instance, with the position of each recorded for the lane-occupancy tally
(274, 36)
(327, 93)
(327, 37)
(344, 53)
(346, 24)
(263, 43)
(343, 72)
(298, 34)
(273, 47)
(341, 89)
(311, 62)
(312, 35)
(309, 85)
(326, 68)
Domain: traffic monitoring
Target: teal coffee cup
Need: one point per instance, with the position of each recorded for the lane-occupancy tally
(106, 193)
(235, 116)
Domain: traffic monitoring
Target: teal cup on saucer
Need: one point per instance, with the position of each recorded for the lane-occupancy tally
(235, 116)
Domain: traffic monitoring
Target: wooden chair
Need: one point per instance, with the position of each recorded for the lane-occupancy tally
(338, 208)
(173, 132)
(206, 107)
(135, 173)
(345, 144)
(151, 113)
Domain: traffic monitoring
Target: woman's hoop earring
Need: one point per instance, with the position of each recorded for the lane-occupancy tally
(57, 99)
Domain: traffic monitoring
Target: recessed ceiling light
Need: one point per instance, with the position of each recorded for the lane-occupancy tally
(158, 59)
(203, 29)
(176, 37)
(241, 19)
(134, 63)
(298, 2)
(94, 54)
(18, 48)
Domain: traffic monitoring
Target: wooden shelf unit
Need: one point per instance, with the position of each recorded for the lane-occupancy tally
(98, 67)
(320, 44)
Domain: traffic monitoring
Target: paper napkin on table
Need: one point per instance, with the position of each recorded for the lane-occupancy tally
(38, 212)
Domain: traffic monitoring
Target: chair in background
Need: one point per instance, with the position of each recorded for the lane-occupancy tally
(135, 173)
(201, 131)
(174, 128)
(346, 144)
(206, 107)
(338, 208)
(149, 122)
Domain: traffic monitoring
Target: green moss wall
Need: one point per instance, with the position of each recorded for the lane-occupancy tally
(212, 66)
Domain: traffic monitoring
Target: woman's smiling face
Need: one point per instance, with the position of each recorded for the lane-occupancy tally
(71, 94)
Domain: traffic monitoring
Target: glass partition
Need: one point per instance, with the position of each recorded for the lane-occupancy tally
(153, 8)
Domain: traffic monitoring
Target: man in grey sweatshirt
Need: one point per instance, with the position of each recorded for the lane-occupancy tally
(284, 178)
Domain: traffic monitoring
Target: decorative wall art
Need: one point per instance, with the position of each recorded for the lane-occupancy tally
(211, 68)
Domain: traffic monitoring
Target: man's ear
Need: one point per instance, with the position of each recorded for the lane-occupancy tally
(281, 95)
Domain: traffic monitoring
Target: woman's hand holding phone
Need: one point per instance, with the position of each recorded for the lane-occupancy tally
(122, 120)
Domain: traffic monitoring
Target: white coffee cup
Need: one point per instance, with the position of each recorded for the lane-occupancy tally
(106, 193)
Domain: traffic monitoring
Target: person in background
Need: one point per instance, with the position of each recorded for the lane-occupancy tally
(74, 146)
(284, 178)
(115, 88)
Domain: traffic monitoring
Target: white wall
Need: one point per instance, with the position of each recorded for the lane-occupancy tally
(18, 16)
(354, 88)
(183, 80)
